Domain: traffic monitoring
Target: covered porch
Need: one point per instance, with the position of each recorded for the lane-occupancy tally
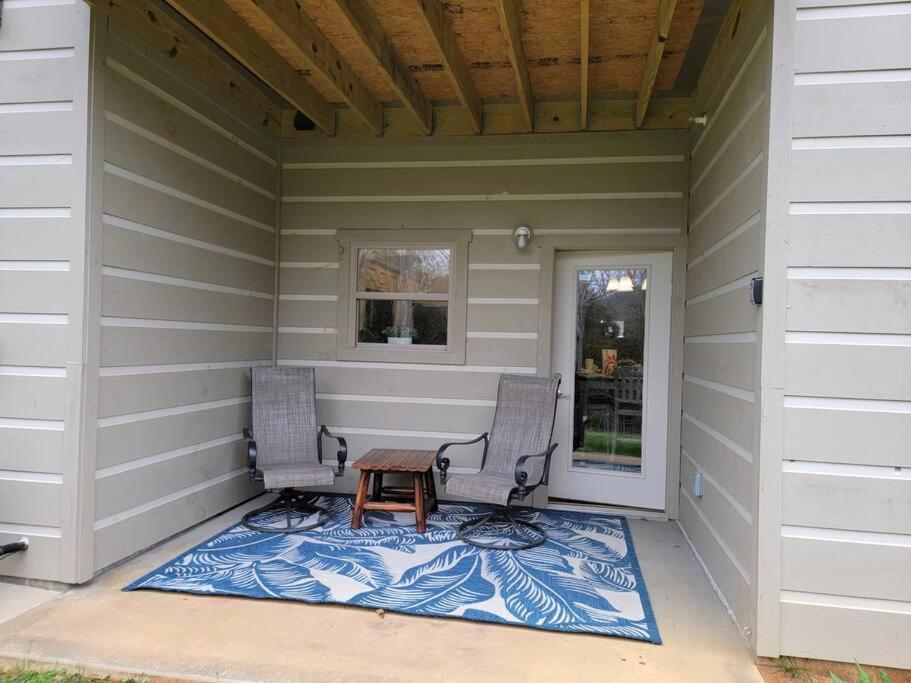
(98, 628)
(259, 181)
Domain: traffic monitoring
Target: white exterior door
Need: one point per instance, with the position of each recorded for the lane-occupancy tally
(611, 343)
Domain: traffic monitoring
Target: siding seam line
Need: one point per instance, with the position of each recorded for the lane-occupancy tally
(150, 87)
(717, 536)
(732, 501)
(128, 125)
(138, 179)
(177, 238)
(164, 500)
(731, 445)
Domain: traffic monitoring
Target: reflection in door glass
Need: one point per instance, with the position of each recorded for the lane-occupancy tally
(610, 358)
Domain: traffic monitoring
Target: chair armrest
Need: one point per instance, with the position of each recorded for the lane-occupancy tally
(251, 453)
(522, 475)
(443, 463)
(341, 456)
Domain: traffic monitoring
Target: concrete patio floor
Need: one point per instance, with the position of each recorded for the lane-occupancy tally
(97, 627)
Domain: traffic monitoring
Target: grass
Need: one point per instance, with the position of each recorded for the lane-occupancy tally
(608, 442)
(23, 675)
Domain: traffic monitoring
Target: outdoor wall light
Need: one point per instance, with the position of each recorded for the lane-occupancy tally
(523, 234)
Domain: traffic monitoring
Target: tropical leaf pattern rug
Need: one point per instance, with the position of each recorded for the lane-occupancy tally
(586, 578)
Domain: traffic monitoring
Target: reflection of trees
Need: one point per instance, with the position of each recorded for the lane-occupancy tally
(408, 271)
(597, 308)
(421, 271)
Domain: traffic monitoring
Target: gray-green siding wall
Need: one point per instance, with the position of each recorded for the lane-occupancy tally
(845, 460)
(593, 191)
(43, 102)
(189, 208)
(721, 375)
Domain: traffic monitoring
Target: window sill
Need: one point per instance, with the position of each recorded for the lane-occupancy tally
(403, 354)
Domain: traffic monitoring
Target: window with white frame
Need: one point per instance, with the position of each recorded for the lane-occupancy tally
(405, 300)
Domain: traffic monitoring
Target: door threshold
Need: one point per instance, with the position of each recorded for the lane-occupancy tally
(599, 508)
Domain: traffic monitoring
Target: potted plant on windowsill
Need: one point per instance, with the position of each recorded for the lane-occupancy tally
(399, 335)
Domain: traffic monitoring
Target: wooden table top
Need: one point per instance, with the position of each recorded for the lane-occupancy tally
(395, 460)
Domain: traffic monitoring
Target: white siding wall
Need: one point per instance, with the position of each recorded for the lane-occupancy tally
(187, 295)
(42, 85)
(846, 499)
(612, 188)
(727, 198)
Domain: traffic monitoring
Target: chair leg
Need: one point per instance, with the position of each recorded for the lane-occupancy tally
(504, 525)
(296, 512)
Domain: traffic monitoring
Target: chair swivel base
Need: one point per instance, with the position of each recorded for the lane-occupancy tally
(296, 513)
(514, 534)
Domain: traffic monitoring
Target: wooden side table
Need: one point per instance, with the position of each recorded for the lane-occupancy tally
(418, 499)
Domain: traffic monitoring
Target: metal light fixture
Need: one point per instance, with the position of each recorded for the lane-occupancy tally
(523, 234)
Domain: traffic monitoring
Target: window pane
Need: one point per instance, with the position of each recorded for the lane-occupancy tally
(610, 369)
(402, 322)
(421, 271)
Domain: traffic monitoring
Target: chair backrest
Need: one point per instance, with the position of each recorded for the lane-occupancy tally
(523, 424)
(284, 416)
(628, 388)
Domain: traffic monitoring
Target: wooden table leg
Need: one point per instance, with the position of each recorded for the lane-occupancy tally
(432, 491)
(420, 520)
(377, 486)
(358, 514)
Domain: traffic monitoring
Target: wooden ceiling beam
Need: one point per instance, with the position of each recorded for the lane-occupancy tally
(584, 41)
(506, 118)
(443, 35)
(237, 38)
(509, 24)
(303, 36)
(362, 19)
(653, 60)
(174, 39)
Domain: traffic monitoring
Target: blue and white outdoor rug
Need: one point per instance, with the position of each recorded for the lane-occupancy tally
(586, 578)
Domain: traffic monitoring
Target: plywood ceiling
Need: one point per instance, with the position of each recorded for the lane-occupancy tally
(467, 67)
(621, 34)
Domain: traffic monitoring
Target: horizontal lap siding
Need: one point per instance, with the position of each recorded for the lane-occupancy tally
(724, 250)
(188, 267)
(38, 186)
(604, 183)
(846, 540)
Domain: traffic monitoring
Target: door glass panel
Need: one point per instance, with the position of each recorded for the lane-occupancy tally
(609, 369)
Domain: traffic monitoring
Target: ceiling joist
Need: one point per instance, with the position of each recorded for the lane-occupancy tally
(584, 40)
(443, 36)
(509, 24)
(366, 25)
(173, 38)
(285, 21)
(237, 38)
(653, 60)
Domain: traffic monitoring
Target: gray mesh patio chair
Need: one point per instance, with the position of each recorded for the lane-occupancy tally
(516, 460)
(287, 452)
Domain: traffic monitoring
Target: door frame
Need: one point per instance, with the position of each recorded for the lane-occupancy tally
(622, 241)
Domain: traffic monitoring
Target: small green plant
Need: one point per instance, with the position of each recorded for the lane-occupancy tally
(792, 668)
(26, 675)
(862, 676)
(395, 331)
